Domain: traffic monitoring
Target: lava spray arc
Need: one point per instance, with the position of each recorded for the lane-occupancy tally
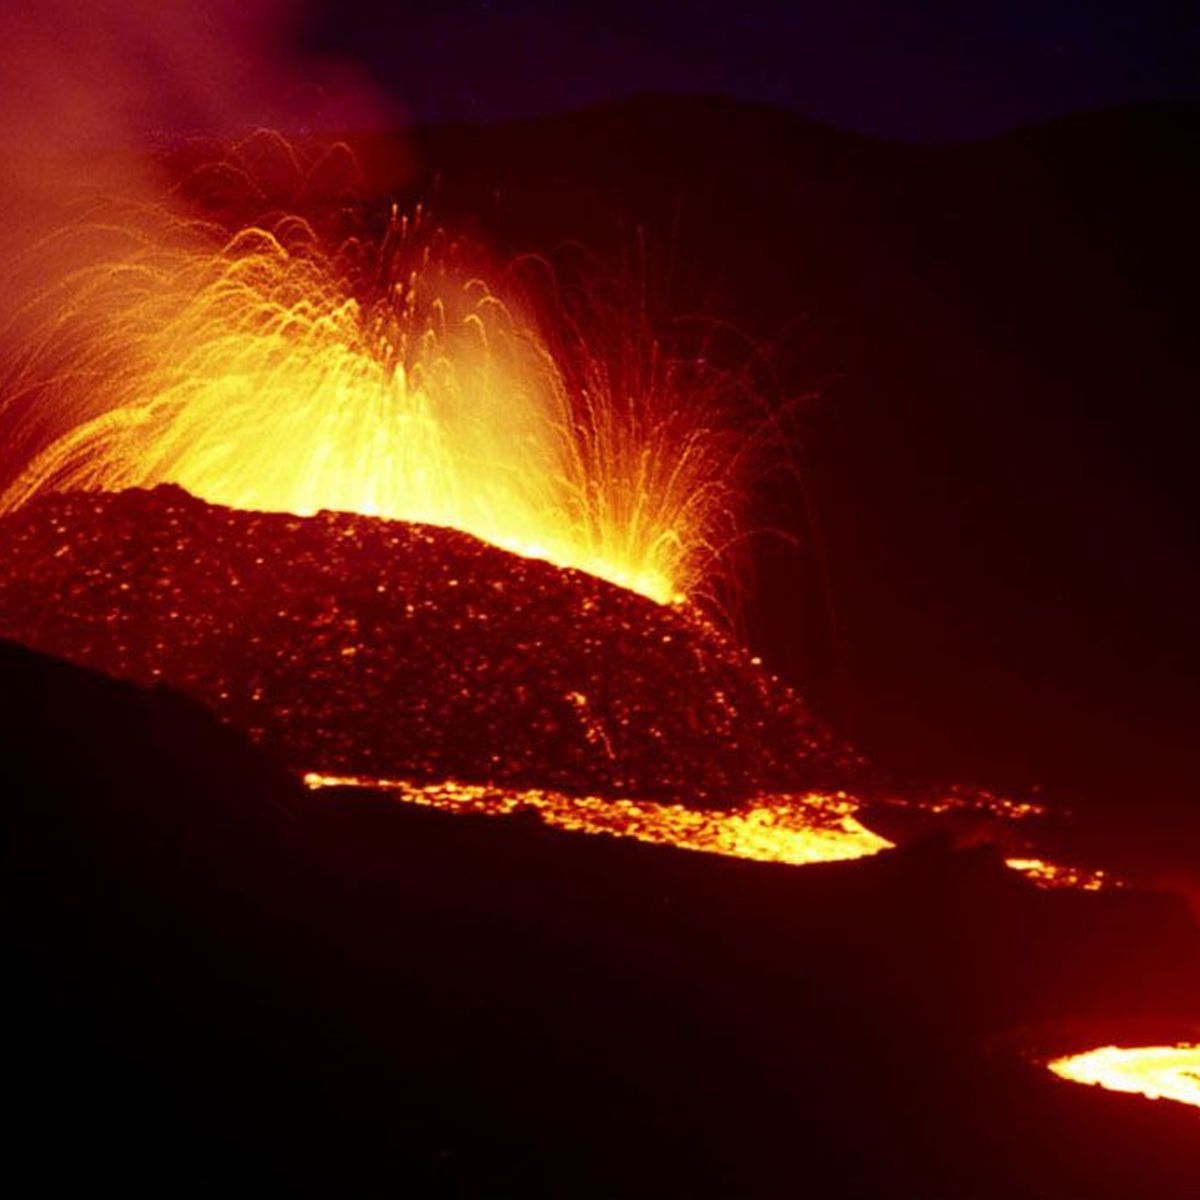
(313, 356)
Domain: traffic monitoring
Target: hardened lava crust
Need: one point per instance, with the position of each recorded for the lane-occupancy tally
(351, 644)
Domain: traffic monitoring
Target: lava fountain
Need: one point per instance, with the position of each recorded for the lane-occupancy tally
(308, 360)
(342, 395)
(345, 391)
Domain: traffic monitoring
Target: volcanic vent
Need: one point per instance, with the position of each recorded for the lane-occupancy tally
(357, 645)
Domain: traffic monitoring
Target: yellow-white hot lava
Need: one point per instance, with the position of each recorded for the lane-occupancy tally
(797, 830)
(1156, 1072)
(397, 374)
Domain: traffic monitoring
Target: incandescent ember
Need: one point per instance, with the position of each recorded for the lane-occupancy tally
(356, 645)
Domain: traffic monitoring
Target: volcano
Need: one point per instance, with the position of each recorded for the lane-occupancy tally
(352, 645)
(225, 978)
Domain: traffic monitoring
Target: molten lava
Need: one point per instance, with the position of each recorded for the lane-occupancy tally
(1156, 1072)
(1058, 875)
(296, 362)
(264, 339)
(796, 830)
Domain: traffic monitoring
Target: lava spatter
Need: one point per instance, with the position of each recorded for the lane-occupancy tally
(354, 645)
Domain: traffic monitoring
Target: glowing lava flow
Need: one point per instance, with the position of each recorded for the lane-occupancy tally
(1056, 875)
(798, 830)
(272, 366)
(1157, 1072)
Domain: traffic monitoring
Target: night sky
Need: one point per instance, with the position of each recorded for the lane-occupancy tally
(919, 71)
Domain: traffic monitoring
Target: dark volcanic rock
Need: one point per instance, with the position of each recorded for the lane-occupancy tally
(217, 982)
(351, 644)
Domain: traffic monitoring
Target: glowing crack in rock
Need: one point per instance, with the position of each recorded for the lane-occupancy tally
(1156, 1072)
(797, 830)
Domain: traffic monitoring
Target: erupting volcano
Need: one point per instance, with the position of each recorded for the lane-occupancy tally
(367, 593)
(359, 396)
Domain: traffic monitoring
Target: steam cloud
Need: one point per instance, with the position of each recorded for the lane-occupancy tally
(89, 87)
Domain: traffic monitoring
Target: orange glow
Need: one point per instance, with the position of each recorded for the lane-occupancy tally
(1157, 1072)
(797, 830)
(1056, 875)
(275, 367)
(980, 800)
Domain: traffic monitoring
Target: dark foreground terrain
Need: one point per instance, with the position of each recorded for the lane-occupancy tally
(215, 979)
